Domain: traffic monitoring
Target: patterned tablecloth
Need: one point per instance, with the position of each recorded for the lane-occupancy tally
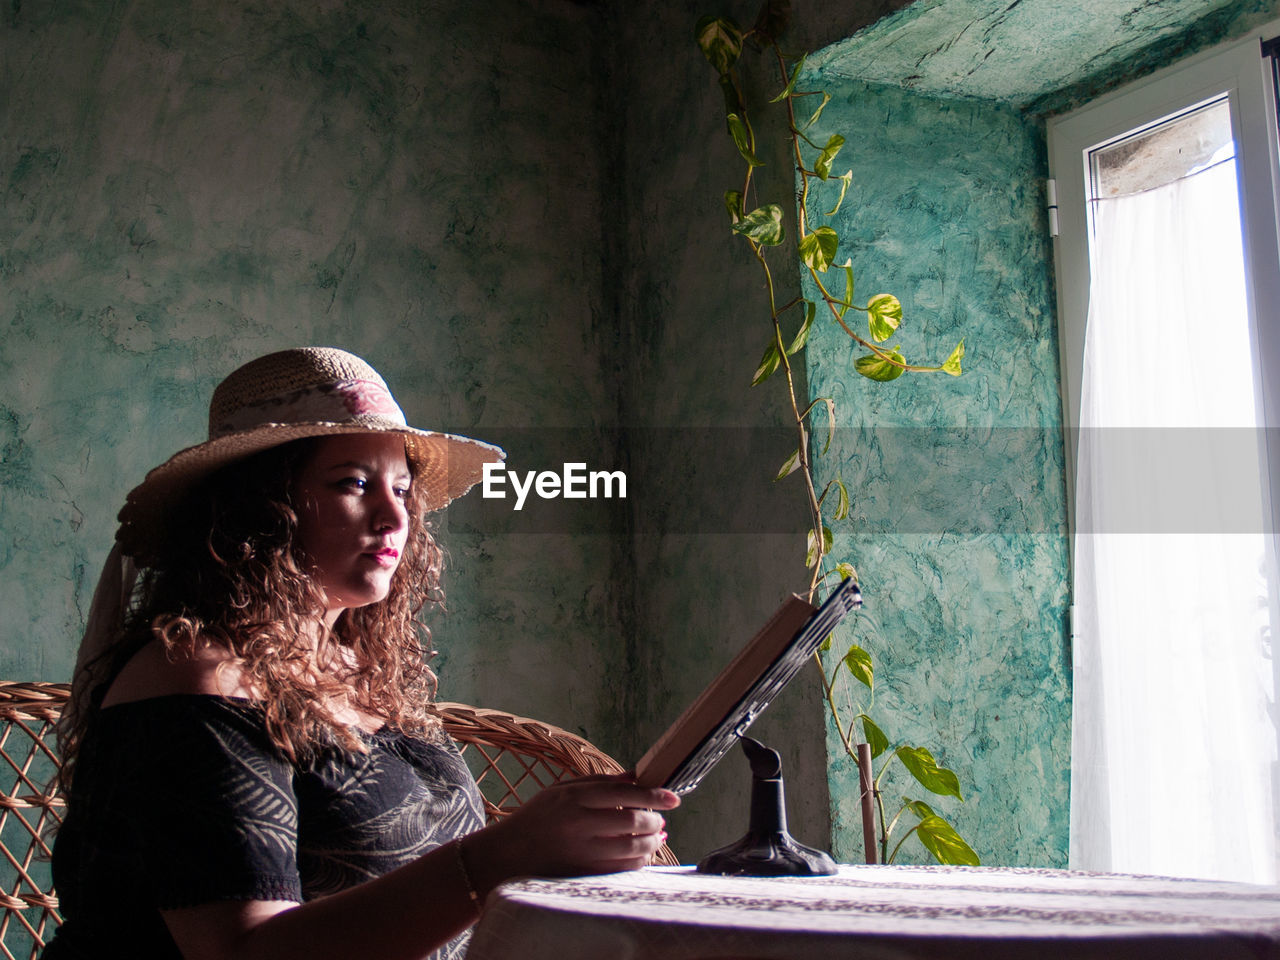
(881, 913)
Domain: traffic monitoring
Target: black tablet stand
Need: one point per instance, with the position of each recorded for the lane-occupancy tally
(767, 850)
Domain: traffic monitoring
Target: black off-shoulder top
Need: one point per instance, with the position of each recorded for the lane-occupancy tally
(183, 800)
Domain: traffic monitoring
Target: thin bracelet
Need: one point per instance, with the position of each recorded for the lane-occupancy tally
(466, 874)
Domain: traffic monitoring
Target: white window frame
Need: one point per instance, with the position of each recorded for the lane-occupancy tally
(1239, 70)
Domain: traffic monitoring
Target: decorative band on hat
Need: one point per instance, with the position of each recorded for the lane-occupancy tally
(323, 403)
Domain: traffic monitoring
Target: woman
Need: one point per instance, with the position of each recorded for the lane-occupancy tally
(251, 761)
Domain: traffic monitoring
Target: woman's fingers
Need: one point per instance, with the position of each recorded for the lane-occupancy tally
(615, 822)
(602, 793)
(594, 825)
(604, 854)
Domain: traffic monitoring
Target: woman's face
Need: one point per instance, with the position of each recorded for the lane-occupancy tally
(352, 517)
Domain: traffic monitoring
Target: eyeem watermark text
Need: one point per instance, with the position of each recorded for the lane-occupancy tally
(573, 482)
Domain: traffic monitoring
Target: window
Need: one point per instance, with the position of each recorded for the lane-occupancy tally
(1168, 282)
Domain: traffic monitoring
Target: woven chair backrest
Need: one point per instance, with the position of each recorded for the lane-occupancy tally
(30, 810)
(511, 757)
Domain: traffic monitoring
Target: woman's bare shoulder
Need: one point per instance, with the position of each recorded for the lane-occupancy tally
(210, 669)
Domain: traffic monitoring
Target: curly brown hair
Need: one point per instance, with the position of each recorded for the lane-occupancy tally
(233, 575)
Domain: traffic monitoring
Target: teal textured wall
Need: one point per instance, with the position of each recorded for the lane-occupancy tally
(530, 245)
(693, 324)
(958, 524)
(437, 186)
(1025, 54)
(191, 185)
(716, 545)
(959, 514)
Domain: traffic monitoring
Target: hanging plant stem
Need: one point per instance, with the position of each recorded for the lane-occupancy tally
(722, 42)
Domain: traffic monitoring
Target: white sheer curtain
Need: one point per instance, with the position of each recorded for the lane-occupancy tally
(1173, 743)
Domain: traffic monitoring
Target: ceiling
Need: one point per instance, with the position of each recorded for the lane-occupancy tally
(1021, 51)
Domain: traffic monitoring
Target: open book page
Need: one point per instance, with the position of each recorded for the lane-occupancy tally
(691, 746)
(720, 697)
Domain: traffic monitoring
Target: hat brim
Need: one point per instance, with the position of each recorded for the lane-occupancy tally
(446, 465)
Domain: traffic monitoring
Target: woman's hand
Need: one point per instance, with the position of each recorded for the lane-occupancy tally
(595, 825)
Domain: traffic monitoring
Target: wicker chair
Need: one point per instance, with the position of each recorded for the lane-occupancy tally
(512, 758)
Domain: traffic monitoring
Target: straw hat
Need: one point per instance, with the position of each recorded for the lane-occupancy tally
(304, 392)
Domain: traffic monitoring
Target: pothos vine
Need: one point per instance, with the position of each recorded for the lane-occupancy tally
(816, 247)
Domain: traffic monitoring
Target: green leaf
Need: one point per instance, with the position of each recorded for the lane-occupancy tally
(921, 765)
(845, 179)
(813, 117)
(847, 267)
(813, 554)
(831, 428)
(763, 225)
(859, 663)
(884, 313)
(874, 367)
(772, 21)
(733, 203)
(919, 808)
(878, 742)
(845, 569)
(947, 846)
(952, 364)
(818, 249)
(802, 336)
(790, 467)
(842, 504)
(791, 84)
(768, 364)
(741, 133)
(732, 97)
(826, 643)
(720, 40)
(822, 166)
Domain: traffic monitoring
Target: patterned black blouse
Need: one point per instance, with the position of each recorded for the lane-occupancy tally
(182, 800)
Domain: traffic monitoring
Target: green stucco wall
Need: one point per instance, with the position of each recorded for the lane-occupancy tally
(958, 524)
(716, 544)
(959, 513)
(704, 581)
(1029, 53)
(513, 210)
(190, 185)
(437, 186)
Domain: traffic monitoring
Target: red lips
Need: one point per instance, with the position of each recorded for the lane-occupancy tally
(386, 557)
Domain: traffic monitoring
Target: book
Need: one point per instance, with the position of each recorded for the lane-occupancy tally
(710, 725)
